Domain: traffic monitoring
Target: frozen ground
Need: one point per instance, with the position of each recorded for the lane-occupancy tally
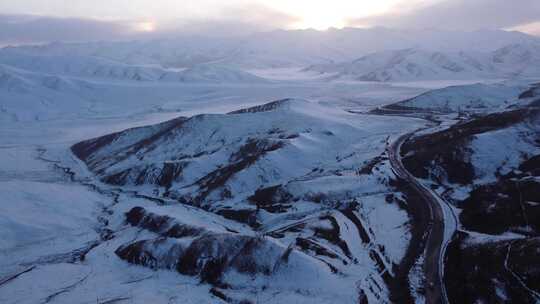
(294, 203)
(48, 221)
(54, 227)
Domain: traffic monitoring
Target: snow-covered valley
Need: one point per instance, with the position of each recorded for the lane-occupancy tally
(257, 177)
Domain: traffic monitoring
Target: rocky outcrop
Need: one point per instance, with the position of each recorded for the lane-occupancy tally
(494, 272)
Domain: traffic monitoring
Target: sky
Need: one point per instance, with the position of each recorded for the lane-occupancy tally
(27, 21)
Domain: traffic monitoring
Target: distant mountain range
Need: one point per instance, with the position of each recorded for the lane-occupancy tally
(87, 66)
(515, 60)
(298, 48)
(377, 54)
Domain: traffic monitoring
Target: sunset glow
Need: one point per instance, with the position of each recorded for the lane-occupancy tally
(322, 15)
(146, 26)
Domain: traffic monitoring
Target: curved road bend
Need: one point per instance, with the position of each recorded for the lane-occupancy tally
(435, 242)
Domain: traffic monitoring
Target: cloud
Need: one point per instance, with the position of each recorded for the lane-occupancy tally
(532, 28)
(17, 29)
(241, 19)
(458, 15)
(227, 21)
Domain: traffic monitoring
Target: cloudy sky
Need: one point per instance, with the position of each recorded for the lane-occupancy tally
(23, 21)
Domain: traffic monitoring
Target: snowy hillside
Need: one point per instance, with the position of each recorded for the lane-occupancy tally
(409, 65)
(311, 167)
(99, 68)
(282, 48)
(27, 96)
(210, 158)
(211, 73)
(487, 167)
(520, 60)
(293, 172)
(476, 97)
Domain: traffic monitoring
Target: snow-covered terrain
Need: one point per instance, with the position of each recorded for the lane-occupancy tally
(99, 68)
(299, 48)
(468, 98)
(270, 168)
(412, 64)
(516, 60)
(33, 96)
(487, 168)
(198, 170)
(328, 241)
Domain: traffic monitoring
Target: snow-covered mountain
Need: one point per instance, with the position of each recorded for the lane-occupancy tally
(203, 193)
(213, 160)
(297, 48)
(467, 98)
(212, 73)
(409, 65)
(488, 168)
(100, 68)
(34, 96)
(293, 173)
(518, 60)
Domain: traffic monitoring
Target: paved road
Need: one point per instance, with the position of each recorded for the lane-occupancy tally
(435, 242)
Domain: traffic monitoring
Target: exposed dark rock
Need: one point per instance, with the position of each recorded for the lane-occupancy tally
(247, 260)
(531, 166)
(87, 150)
(262, 108)
(309, 245)
(535, 103)
(219, 294)
(161, 174)
(531, 92)
(161, 224)
(208, 256)
(273, 199)
(448, 149)
(248, 154)
(246, 216)
(502, 206)
(333, 235)
(158, 253)
(370, 165)
(484, 273)
(170, 172)
(290, 229)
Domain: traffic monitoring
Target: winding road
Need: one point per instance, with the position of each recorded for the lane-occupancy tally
(441, 228)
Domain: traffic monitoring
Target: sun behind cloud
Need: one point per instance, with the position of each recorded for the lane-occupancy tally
(324, 14)
(145, 26)
(320, 21)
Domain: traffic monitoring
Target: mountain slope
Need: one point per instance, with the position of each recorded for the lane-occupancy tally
(411, 64)
(310, 181)
(99, 68)
(518, 60)
(228, 154)
(487, 168)
(466, 98)
(282, 48)
(48, 96)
